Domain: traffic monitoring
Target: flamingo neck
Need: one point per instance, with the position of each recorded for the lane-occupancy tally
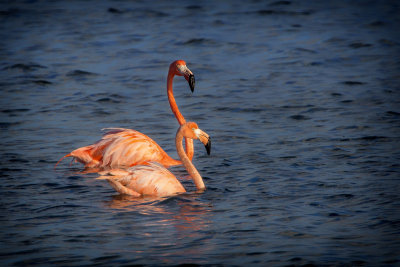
(171, 99)
(177, 113)
(198, 181)
(189, 148)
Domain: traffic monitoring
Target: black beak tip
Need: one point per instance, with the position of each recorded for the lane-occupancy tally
(192, 82)
(208, 147)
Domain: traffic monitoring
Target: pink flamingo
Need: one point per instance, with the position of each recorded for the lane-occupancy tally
(122, 148)
(152, 178)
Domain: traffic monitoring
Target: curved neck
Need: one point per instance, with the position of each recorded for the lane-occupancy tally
(171, 99)
(198, 181)
(177, 113)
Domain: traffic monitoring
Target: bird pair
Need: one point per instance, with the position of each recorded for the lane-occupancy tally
(136, 165)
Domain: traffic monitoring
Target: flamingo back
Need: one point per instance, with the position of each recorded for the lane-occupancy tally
(151, 179)
(122, 148)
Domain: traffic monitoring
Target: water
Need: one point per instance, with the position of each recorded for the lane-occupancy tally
(301, 100)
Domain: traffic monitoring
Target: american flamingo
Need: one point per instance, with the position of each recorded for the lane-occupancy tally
(155, 180)
(122, 148)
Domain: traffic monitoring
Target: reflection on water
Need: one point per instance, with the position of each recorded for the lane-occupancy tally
(186, 223)
(301, 99)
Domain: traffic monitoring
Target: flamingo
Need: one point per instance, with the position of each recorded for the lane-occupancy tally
(155, 180)
(122, 148)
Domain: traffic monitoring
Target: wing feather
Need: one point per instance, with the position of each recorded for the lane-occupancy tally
(150, 179)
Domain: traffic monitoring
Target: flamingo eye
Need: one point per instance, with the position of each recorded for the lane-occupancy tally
(181, 68)
(197, 131)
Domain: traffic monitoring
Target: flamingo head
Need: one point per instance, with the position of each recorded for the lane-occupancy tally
(179, 68)
(191, 130)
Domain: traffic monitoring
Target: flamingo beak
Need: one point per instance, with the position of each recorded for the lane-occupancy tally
(205, 139)
(191, 82)
(208, 146)
(184, 70)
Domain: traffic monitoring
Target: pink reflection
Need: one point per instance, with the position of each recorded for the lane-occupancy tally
(181, 219)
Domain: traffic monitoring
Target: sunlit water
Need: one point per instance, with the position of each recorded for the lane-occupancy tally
(301, 100)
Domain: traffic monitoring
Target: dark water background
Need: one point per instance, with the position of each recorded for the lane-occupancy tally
(301, 99)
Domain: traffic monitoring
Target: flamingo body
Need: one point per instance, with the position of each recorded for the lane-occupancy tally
(154, 179)
(122, 148)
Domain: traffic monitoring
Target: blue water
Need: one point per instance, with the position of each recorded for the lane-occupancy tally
(301, 100)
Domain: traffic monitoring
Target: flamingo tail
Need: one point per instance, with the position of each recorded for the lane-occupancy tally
(66, 156)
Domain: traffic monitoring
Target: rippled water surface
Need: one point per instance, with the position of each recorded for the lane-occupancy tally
(301, 99)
